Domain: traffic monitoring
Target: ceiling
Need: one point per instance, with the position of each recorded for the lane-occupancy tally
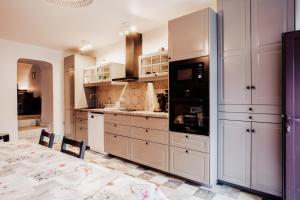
(40, 23)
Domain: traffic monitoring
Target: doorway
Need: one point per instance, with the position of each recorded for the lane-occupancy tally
(35, 98)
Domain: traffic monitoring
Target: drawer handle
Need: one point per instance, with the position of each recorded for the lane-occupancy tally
(115, 114)
(253, 87)
(147, 117)
(250, 109)
(186, 151)
(187, 136)
(248, 87)
(146, 143)
(250, 117)
(146, 130)
(115, 136)
(248, 130)
(115, 125)
(253, 131)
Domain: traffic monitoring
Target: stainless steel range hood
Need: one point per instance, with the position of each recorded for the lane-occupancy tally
(133, 51)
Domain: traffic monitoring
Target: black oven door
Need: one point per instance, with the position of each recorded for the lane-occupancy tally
(190, 116)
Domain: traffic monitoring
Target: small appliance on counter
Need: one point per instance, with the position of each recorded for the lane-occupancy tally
(189, 96)
(162, 99)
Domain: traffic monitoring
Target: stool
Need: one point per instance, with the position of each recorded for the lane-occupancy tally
(4, 137)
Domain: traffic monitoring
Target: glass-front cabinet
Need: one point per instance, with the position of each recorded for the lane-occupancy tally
(103, 73)
(154, 65)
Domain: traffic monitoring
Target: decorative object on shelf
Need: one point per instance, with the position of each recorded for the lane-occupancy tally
(162, 101)
(71, 3)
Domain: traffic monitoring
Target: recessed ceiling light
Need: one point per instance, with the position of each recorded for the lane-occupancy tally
(126, 32)
(132, 28)
(86, 47)
(71, 3)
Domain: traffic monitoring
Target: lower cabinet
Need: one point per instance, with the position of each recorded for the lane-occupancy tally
(70, 123)
(250, 155)
(190, 164)
(235, 152)
(117, 145)
(150, 154)
(267, 158)
(82, 126)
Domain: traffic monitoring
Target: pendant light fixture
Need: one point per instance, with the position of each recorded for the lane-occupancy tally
(71, 3)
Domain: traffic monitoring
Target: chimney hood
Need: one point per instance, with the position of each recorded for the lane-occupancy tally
(133, 51)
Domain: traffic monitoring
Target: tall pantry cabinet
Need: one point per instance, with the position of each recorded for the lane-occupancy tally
(74, 91)
(250, 135)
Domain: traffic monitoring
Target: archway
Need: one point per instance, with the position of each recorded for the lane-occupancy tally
(35, 97)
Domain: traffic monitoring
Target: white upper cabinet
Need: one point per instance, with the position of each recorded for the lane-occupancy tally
(189, 35)
(269, 21)
(250, 50)
(234, 52)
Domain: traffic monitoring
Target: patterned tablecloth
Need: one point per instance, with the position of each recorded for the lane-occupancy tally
(33, 172)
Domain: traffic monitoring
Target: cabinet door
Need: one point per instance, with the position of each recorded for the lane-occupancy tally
(151, 154)
(70, 124)
(188, 36)
(270, 18)
(234, 52)
(267, 158)
(69, 89)
(190, 164)
(234, 152)
(117, 145)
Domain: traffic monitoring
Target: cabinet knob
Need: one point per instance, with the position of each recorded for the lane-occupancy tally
(248, 87)
(146, 130)
(147, 117)
(253, 87)
(115, 125)
(146, 143)
(253, 131)
(169, 58)
(250, 109)
(115, 136)
(250, 117)
(186, 151)
(186, 136)
(248, 130)
(115, 114)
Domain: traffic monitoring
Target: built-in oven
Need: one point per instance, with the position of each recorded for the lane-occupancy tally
(189, 96)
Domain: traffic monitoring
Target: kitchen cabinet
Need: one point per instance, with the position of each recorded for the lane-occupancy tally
(74, 93)
(235, 152)
(267, 158)
(82, 126)
(235, 48)
(117, 145)
(250, 53)
(154, 65)
(150, 154)
(70, 124)
(104, 73)
(250, 155)
(191, 164)
(189, 35)
(148, 138)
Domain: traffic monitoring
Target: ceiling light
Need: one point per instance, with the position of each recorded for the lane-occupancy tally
(132, 28)
(126, 32)
(71, 3)
(121, 33)
(86, 47)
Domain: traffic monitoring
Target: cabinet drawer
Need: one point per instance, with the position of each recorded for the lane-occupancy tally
(267, 118)
(151, 135)
(150, 122)
(151, 154)
(82, 123)
(259, 109)
(117, 119)
(117, 129)
(190, 164)
(81, 114)
(190, 141)
(82, 134)
(117, 145)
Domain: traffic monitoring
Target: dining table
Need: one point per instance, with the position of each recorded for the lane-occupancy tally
(30, 171)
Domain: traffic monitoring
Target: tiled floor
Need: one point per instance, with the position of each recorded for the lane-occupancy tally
(173, 188)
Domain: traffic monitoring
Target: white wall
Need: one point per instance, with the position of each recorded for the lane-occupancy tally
(297, 6)
(10, 53)
(152, 41)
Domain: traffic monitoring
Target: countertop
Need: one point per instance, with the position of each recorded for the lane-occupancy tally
(143, 113)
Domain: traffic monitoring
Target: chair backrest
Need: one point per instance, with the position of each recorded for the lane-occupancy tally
(81, 145)
(48, 135)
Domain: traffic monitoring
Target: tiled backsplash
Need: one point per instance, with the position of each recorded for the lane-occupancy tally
(134, 95)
